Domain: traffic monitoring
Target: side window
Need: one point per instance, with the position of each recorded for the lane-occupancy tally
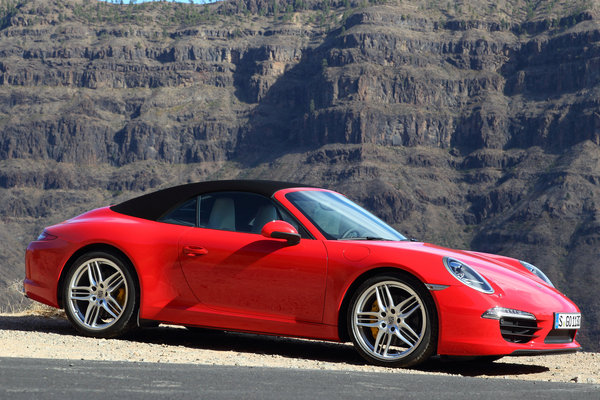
(230, 211)
(236, 211)
(184, 214)
(241, 212)
(284, 215)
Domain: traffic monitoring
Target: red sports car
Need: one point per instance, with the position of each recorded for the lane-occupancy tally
(283, 259)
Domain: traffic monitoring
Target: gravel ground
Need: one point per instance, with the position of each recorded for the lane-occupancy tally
(26, 335)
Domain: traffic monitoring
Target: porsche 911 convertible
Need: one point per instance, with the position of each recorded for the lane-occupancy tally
(284, 259)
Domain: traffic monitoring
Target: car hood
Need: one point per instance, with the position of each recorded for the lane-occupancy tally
(513, 284)
(504, 272)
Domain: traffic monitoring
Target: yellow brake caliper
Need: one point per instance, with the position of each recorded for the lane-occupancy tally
(374, 330)
(121, 297)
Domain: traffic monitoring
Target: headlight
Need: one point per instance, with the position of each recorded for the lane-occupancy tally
(537, 272)
(467, 275)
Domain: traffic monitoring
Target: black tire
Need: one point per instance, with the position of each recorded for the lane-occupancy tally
(100, 295)
(403, 331)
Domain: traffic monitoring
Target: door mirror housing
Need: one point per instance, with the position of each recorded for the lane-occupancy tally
(281, 230)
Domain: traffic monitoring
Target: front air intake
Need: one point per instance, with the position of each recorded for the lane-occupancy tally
(560, 336)
(518, 330)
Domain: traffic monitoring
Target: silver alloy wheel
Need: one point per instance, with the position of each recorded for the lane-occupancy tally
(97, 294)
(389, 320)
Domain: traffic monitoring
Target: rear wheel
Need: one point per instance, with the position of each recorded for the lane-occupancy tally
(100, 295)
(392, 321)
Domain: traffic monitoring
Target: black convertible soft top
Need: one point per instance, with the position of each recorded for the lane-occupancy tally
(154, 205)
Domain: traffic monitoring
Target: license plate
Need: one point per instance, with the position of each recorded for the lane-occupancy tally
(567, 321)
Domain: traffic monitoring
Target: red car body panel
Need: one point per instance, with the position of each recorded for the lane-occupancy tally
(249, 274)
(246, 282)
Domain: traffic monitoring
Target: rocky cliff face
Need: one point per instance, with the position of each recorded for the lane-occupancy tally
(468, 125)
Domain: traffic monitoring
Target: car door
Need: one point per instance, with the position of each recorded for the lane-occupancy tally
(232, 268)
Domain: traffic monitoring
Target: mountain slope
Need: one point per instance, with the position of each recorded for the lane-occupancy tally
(468, 124)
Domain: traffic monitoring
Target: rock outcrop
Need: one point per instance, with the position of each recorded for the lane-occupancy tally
(473, 126)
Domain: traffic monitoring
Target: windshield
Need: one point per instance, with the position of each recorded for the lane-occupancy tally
(339, 218)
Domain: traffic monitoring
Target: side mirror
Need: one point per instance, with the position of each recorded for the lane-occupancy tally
(281, 230)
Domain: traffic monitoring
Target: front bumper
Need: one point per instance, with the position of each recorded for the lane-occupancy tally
(544, 352)
(462, 331)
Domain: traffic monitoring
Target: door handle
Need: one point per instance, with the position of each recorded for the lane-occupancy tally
(194, 251)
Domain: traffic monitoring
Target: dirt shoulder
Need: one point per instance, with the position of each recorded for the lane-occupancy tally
(32, 336)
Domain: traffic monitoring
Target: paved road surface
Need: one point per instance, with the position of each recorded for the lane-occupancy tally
(40, 379)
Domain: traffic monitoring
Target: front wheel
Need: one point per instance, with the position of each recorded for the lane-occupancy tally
(392, 321)
(100, 295)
